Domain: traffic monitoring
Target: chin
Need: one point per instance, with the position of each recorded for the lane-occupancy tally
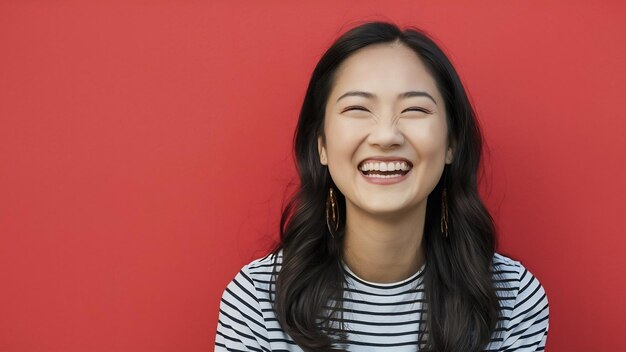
(385, 208)
(392, 207)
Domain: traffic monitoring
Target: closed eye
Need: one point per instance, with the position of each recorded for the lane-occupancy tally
(355, 108)
(418, 109)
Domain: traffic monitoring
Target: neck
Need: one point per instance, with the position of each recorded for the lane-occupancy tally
(384, 249)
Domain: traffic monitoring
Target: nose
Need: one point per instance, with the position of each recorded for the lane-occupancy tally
(385, 135)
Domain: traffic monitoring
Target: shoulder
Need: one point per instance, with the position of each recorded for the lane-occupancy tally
(512, 275)
(524, 303)
(509, 270)
(261, 270)
(253, 279)
(505, 264)
(265, 264)
(242, 322)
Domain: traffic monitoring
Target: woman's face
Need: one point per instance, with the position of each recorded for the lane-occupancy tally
(385, 112)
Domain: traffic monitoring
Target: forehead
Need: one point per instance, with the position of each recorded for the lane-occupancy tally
(384, 69)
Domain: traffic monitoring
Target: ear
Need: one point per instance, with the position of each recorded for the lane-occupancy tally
(322, 150)
(450, 152)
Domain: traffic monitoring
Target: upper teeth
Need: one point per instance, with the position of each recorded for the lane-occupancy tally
(390, 166)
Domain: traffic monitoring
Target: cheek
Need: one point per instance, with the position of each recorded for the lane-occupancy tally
(428, 139)
(342, 141)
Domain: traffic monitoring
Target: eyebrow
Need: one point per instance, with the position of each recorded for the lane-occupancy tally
(404, 95)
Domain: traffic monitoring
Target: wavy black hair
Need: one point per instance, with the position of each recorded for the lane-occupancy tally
(461, 300)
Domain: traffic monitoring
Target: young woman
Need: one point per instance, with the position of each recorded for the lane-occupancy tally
(386, 246)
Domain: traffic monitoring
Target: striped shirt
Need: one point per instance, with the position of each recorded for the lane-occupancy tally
(379, 316)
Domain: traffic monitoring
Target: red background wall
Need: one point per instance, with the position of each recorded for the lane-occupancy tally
(145, 150)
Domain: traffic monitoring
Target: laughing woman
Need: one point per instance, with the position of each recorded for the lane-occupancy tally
(387, 245)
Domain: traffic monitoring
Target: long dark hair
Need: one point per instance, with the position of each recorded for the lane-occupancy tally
(460, 297)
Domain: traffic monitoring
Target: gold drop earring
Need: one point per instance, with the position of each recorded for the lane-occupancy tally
(444, 207)
(332, 213)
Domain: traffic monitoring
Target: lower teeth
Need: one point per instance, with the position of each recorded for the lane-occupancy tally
(383, 176)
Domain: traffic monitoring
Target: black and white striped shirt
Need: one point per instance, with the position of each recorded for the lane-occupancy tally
(379, 316)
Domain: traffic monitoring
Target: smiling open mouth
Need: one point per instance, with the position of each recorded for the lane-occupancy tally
(385, 169)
